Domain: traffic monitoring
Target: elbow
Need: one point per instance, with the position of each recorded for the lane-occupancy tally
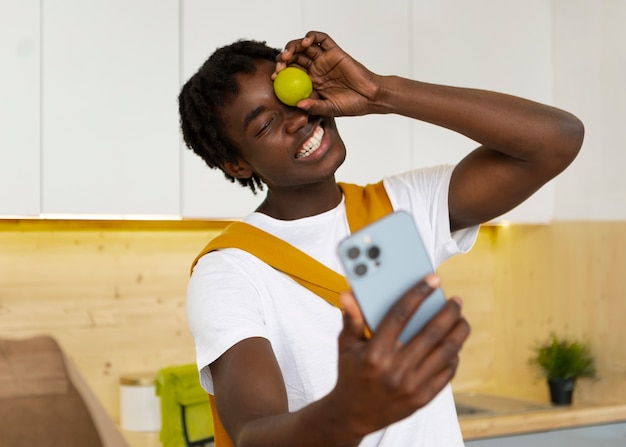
(570, 141)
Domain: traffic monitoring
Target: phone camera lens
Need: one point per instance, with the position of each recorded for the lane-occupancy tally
(373, 252)
(360, 269)
(353, 252)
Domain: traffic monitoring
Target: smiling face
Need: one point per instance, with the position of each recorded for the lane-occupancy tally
(284, 146)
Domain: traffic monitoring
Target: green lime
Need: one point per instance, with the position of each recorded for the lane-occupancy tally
(292, 84)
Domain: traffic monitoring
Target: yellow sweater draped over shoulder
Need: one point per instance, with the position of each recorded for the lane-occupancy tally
(364, 205)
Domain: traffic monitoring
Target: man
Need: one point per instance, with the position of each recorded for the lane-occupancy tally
(266, 346)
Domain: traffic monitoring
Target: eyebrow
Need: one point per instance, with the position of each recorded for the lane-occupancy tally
(252, 115)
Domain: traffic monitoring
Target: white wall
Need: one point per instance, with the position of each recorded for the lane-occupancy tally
(62, 152)
(19, 107)
(590, 81)
(109, 85)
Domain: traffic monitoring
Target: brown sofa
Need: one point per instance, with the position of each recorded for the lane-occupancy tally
(44, 401)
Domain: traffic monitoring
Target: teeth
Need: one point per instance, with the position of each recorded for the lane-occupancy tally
(312, 144)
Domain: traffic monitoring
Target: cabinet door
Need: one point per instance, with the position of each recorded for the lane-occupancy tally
(493, 45)
(377, 34)
(377, 145)
(590, 69)
(110, 78)
(206, 193)
(19, 108)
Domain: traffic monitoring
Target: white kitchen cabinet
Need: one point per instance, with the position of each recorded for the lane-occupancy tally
(492, 45)
(19, 108)
(377, 145)
(377, 34)
(93, 128)
(110, 76)
(207, 26)
(442, 42)
(590, 70)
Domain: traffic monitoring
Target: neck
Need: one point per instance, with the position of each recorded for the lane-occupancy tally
(296, 203)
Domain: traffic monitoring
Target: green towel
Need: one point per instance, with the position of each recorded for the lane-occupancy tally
(180, 393)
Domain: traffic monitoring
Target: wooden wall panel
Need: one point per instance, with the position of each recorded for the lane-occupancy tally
(469, 276)
(568, 277)
(114, 297)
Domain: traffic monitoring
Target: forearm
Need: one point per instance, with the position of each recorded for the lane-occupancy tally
(319, 423)
(253, 406)
(517, 127)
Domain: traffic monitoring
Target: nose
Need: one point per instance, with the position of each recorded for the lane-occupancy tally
(295, 119)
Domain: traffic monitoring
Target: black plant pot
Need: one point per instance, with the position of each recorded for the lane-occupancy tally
(561, 390)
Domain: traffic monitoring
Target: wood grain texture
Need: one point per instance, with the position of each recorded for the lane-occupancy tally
(537, 421)
(568, 278)
(114, 297)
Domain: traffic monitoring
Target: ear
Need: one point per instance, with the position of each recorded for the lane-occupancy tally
(240, 169)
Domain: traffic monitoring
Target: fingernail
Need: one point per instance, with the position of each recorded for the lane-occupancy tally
(433, 281)
(457, 300)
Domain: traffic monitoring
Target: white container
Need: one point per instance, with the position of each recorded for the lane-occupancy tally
(140, 407)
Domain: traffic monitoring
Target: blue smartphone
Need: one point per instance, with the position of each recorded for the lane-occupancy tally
(384, 260)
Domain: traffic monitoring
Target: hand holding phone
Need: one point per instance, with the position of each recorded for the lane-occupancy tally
(383, 261)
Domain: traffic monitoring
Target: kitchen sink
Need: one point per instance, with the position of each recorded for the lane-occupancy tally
(468, 410)
(481, 405)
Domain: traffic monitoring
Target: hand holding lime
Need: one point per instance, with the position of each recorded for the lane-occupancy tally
(292, 85)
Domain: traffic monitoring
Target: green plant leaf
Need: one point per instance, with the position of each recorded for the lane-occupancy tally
(563, 358)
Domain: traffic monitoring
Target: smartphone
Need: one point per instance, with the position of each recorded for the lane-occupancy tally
(384, 260)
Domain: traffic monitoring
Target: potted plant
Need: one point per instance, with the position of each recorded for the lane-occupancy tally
(561, 361)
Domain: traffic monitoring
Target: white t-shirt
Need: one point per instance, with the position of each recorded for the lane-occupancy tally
(232, 295)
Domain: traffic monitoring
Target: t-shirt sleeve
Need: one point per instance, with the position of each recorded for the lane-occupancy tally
(424, 194)
(219, 316)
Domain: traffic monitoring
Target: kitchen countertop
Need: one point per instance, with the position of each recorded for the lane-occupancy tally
(503, 417)
(486, 425)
